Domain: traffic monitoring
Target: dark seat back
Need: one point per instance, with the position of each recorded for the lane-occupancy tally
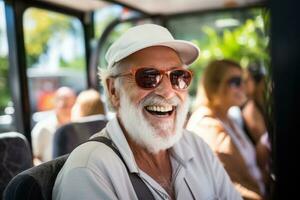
(15, 157)
(69, 136)
(36, 182)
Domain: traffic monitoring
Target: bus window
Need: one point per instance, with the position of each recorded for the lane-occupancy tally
(6, 107)
(55, 57)
(104, 16)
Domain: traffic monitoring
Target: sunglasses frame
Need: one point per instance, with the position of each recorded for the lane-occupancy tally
(134, 70)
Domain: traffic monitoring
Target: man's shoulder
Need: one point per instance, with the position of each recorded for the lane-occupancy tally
(91, 155)
(86, 153)
(91, 161)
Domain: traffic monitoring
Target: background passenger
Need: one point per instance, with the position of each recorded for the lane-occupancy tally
(222, 88)
(43, 131)
(253, 112)
(88, 103)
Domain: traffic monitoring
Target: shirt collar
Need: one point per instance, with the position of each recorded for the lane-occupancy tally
(182, 151)
(117, 136)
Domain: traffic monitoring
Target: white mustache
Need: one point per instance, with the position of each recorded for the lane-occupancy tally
(154, 99)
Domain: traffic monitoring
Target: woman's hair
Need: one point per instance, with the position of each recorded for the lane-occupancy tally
(212, 78)
(90, 103)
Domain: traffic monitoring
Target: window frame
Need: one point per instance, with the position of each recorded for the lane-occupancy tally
(14, 11)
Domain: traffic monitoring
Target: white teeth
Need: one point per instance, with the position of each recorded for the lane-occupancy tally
(166, 108)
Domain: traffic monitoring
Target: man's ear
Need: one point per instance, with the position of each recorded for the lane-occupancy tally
(113, 93)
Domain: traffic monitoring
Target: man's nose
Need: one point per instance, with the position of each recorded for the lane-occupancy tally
(165, 88)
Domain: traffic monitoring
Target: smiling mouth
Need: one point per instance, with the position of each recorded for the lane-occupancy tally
(159, 110)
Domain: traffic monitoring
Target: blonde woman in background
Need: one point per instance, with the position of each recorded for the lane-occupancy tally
(222, 88)
(88, 104)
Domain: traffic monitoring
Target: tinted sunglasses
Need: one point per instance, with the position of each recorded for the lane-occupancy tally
(235, 81)
(150, 78)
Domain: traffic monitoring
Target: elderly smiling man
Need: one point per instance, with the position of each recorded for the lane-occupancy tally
(150, 156)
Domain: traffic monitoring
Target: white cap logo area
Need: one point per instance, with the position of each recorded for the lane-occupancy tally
(148, 35)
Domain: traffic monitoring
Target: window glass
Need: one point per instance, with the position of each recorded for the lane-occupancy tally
(103, 18)
(240, 35)
(55, 57)
(6, 106)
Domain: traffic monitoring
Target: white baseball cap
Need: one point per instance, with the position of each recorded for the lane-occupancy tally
(148, 35)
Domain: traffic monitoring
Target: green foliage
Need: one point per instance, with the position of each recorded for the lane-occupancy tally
(76, 63)
(244, 44)
(4, 89)
(40, 26)
(101, 26)
(121, 28)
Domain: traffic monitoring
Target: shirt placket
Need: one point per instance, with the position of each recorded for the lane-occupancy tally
(159, 191)
(182, 189)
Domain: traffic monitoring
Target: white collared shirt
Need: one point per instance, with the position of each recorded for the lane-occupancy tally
(42, 136)
(93, 171)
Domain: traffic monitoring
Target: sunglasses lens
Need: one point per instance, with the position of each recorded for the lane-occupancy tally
(180, 79)
(235, 81)
(148, 78)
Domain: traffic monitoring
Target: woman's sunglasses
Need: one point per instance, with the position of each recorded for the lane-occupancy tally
(235, 81)
(150, 78)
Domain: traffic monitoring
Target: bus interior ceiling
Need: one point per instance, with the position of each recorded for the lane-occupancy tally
(156, 7)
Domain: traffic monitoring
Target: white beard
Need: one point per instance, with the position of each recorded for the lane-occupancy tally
(144, 133)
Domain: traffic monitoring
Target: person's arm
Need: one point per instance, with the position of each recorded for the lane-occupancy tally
(239, 175)
(263, 152)
(82, 183)
(254, 121)
(232, 167)
(207, 128)
(213, 133)
(246, 193)
(40, 142)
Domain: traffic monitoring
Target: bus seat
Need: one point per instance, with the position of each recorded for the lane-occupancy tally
(36, 182)
(15, 157)
(69, 136)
